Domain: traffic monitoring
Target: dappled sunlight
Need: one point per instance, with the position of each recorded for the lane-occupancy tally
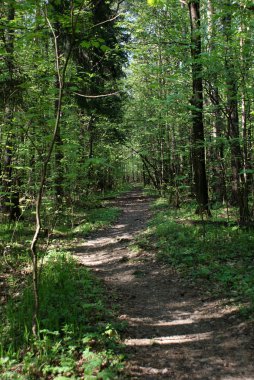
(93, 261)
(119, 226)
(174, 323)
(153, 323)
(173, 332)
(177, 339)
(216, 309)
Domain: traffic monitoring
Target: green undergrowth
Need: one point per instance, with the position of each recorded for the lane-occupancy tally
(217, 254)
(88, 215)
(77, 336)
(95, 219)
(114, 193)
(68, 222)
(84, 221)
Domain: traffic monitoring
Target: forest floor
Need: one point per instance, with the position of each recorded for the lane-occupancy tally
(174, 331)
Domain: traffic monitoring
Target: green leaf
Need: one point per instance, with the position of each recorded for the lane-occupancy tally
(95, 43)
(247, 171)
(151, 2)
(85, 44)
(104, 48)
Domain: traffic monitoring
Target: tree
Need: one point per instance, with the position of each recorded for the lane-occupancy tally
(9, 182)
(198, 149)
(239, 188)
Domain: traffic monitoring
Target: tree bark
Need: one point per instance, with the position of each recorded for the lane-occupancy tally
(198, 139)
(239, 187)
(217, 153)
(10, 198)
(59, 191)
(34, 254)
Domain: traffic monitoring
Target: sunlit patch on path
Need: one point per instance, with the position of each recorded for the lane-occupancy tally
(168, 339)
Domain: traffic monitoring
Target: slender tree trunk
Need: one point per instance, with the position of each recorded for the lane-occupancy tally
(34, 253)
(218, 183)
(90, 129)
(218, 152)
(246, 54)
(90, 173)
(198, 139)
(6, 205)
(239, 187)
(59, 191)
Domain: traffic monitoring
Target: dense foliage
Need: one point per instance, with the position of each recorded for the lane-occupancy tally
(182, 116)
(167, 100)
(98, 94)
(57, 59)
(75, 336)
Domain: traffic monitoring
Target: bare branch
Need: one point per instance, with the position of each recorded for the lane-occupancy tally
(98, 96)
(108, 20)
(56, 51)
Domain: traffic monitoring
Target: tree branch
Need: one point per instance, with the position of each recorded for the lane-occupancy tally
(97, 96)
(108, 20)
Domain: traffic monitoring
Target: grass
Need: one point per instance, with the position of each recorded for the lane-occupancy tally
(95, 219)
(218, 255)
(68, 223)
(114, 193)
(77, 336)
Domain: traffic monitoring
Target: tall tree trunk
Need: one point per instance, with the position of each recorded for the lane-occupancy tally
(239, 186)
(10, 199)
(246, 54)
(198, 139)
(218, 184)
(59, 191)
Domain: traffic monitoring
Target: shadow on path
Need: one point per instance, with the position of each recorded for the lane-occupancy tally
(172, 332)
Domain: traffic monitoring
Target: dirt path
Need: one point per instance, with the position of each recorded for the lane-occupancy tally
(173, 332)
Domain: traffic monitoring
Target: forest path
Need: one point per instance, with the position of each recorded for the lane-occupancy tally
(173, 332)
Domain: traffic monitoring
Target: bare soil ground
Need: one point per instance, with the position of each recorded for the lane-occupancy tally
(173, 331)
